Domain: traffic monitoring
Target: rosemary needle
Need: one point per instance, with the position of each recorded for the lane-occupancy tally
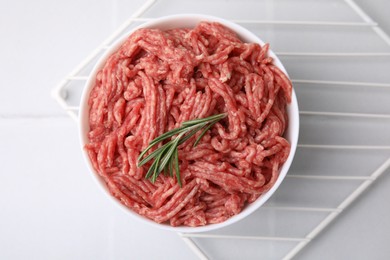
(166, 158)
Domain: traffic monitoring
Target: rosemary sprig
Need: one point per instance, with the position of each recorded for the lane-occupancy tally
(166, 158)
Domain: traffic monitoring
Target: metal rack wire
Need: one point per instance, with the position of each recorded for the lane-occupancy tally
(331, 105)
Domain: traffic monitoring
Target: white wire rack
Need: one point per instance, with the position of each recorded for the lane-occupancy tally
(337, 57)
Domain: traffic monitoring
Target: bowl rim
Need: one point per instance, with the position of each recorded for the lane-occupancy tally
(242, 32)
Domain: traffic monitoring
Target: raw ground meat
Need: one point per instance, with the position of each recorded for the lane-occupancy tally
(158, 79)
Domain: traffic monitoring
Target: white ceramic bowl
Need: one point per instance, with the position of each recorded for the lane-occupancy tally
(189, 21)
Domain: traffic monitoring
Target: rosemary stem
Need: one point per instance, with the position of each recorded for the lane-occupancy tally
(166, 157)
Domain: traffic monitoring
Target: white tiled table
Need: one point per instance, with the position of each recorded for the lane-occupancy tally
(49, 206)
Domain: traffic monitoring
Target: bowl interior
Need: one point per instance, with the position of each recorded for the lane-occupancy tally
(190, 21)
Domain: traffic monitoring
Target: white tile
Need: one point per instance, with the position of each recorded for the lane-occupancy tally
(51, 207)
(42, 41)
